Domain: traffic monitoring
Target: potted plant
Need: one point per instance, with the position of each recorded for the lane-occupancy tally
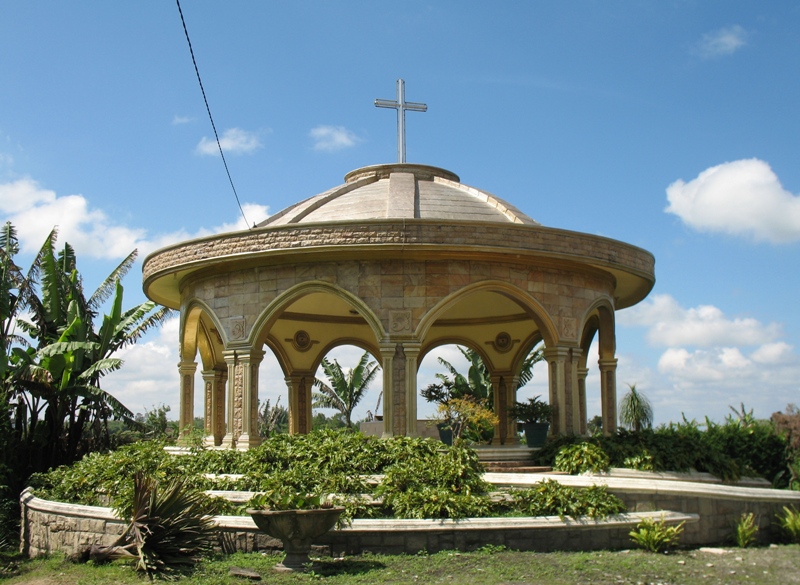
(535, 417)
(460, 415)
(294, 519)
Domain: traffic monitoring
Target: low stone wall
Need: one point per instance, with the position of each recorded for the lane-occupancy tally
(718, 506)
(49, 527)
(710, 512)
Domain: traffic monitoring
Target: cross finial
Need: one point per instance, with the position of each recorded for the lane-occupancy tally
(401, 105)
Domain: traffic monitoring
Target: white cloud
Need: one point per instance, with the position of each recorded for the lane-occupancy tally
(34, 211)
(255, 214)
(722, 42)
(233, 140)
(702, 371)
(149, 376)
(671, 325)
(743, 198)
(178, 120)
(333, 138)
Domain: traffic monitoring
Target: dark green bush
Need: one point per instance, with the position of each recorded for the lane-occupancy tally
(728, 450)
(445, 484)
(550, 498)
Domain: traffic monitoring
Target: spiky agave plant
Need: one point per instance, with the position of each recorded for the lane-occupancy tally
(170, 528)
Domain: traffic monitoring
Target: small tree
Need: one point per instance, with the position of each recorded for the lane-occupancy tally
(345, 390)
(635, 411)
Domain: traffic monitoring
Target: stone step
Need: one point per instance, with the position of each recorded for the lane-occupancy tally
(517, 468)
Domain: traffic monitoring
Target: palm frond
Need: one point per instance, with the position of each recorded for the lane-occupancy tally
(155, 320)
(107, 287)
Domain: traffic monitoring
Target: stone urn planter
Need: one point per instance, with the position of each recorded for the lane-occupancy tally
(535, 417)
(296, 529)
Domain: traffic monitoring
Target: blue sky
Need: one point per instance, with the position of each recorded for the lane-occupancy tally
(669, 125)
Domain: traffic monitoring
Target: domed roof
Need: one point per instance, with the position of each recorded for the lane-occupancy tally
(395, 191)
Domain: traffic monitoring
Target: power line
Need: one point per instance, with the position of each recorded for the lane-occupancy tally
(208, 109)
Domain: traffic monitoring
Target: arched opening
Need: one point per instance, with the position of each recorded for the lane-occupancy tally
(203, 380)
(597, 372)
(353, 390)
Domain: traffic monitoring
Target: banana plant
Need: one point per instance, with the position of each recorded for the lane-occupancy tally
(55, 378)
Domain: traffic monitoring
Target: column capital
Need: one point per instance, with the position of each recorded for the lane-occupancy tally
(607, 363)
(558, 353)
(185, 367)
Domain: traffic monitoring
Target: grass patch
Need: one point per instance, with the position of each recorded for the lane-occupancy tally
(490, 566)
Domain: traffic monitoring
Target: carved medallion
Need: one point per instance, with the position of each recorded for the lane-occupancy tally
(400, 321)
(237, 328)
(503, 342)
(301, 341)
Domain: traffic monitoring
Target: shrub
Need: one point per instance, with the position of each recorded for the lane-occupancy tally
(789, 522)
(550, 498)
(445, 484)
(746, 530)
(581, 458)
(656, 536)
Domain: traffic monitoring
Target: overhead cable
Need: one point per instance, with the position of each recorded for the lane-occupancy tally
(208, 109)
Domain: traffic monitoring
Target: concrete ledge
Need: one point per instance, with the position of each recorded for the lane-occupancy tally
(693, 476)
(709, 510)
(50, 527)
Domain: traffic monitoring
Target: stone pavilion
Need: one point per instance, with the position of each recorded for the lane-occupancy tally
(398, 260)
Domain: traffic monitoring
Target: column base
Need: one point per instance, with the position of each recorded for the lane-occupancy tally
(245, 442)
(228, 442)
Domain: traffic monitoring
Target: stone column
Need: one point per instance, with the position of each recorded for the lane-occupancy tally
(233, 401)
(299, 384)
(608, 394)
(248, 363)
(582, 373)
(556, 357)
(564, 389)
(411, 351)
(504, 386)
(214, 382)
(387, 365)
(187, 370)
(577, 401)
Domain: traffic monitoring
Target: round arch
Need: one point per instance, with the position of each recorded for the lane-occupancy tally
(272, 312)
(530, 305)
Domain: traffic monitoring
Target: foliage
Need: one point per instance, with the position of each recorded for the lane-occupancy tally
(635, 410)
(534, 411)
(476, 386)
(746, 530)
(641, 461)
(788, 425)
(272, 419)
(445, 484)
(170, 528)
(595, 425)
(466, 416)
(581, 458)
(53, 357)
(286, 499)
(155, 425)
(789, 522)
(656, 536)
(728, 450)
(343, 391)
(550, 498)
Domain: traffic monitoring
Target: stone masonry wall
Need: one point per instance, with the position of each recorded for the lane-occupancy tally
(391, 285)
(540, 240)
(710, 513)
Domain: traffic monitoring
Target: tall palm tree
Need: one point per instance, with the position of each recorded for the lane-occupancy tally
(61, 410)
(344, 391)
(635, 410)
(477, 383)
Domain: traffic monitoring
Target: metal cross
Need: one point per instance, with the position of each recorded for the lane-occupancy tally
(401, 105)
